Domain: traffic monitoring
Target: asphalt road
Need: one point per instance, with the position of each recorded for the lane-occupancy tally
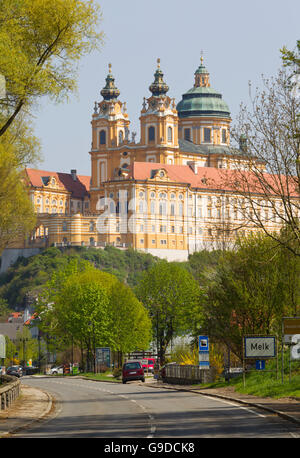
(89, 409)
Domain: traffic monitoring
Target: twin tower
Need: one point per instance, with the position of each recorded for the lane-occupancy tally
(169, 134)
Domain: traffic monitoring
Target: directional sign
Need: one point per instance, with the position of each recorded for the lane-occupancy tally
(258, 347)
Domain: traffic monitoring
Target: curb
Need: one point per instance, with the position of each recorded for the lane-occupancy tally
(238, 401)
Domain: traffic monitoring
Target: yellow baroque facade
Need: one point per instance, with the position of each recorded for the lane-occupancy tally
(165, 194)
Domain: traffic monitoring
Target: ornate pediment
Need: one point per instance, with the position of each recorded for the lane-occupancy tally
(159, 175)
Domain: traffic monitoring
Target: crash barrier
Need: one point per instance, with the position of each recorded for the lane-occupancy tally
(9, 390)
(188, 374)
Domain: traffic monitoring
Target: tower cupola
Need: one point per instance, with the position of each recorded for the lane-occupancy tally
(201, 76)
(110, 91)
(158, 88)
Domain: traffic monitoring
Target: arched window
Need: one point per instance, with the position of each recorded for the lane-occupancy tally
(121, 137)
(172, 209)
(102, 137)
(170, 134)
(151, 134)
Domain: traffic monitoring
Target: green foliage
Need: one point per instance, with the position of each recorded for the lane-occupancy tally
(171, 295)
(31, 274)
(41, 43)
(253, 288)
(85, 305)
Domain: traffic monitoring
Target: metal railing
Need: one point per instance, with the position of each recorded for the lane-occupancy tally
(188, 374)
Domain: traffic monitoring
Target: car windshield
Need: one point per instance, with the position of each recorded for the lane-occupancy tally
(132, 366)
(151, 361)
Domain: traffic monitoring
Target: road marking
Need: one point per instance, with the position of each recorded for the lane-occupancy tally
(237, 405)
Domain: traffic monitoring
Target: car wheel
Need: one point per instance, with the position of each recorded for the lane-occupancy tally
(54, 373)
(143, 380)
(124, 381)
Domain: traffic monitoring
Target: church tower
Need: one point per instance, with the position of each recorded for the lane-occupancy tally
(159, 123)
(110, 128)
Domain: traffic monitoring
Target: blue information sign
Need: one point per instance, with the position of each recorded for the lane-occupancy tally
(204, 352)
(260, 364)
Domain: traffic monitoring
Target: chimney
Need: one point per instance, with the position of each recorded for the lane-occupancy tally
(73, 173)
(194, 166)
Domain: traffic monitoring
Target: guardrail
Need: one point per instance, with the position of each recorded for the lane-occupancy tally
(9, 390)
(188, 374)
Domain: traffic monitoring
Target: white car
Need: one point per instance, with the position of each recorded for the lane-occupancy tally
(57, 370)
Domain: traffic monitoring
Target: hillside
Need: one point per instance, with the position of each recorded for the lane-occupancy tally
(28, 275)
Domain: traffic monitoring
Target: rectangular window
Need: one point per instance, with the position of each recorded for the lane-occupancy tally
(187, 134)
(207, 135)
(224, 135)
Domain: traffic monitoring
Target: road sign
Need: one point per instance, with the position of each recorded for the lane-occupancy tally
(260, 364)
(291, 326)
(2, 347)
(203, 343)
(258, 347)
(295, 348)
(204, 352)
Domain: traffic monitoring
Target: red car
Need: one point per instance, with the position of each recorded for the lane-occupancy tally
(132, 370)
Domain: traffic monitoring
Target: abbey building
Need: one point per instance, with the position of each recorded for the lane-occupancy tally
(168, 193)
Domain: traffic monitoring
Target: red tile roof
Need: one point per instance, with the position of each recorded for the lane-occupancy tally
(78, 188)
(212, 178)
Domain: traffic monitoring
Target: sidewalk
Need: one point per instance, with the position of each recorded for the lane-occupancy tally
(33, 405)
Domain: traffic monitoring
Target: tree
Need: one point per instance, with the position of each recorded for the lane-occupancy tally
(171, 295)
(90, 307)
(291, 58)
(252, 289)
(17, 216)
(268, 187)
(41, 43)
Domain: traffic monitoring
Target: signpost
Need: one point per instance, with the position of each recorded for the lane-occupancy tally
(259, 348)
(203, 352)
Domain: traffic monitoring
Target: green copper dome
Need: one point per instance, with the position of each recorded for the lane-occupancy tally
(202, 100)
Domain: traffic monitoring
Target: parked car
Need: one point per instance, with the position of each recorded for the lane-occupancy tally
(15, 370)
(57, 370)
(29, 370)
(132, 370)
(148, 364)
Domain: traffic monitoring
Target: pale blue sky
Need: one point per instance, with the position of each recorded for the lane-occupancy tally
(240, 41)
